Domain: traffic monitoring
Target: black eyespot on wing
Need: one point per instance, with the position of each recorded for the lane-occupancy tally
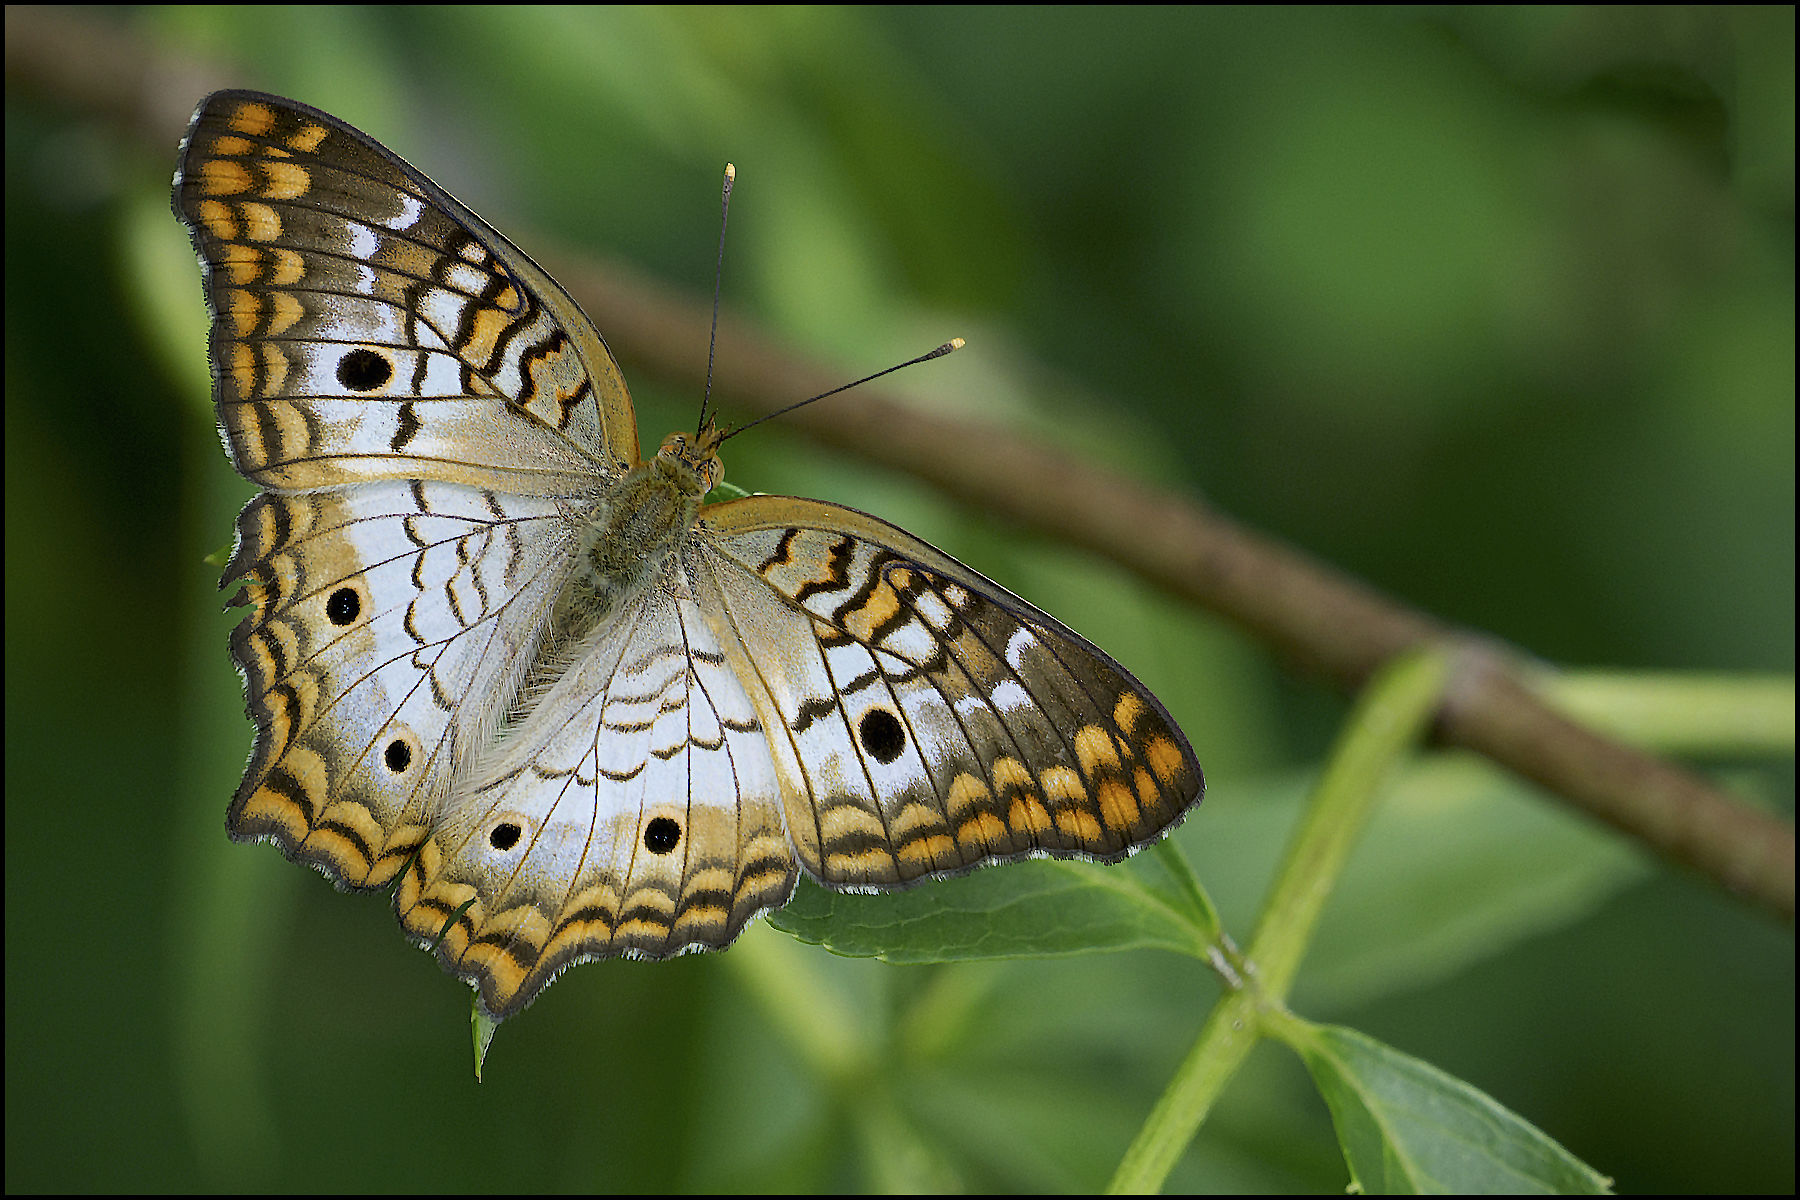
(882, 735)
(363, 370)
(342, 606)
(397, 756)
(505, 835)
(661, 835)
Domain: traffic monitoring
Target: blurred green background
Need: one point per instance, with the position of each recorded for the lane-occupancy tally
(1492, 307)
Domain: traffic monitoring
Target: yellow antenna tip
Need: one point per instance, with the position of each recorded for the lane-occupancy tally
(730, 171)
(957, 343)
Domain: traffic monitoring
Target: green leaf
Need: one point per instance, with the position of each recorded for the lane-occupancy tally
(481, 1032)
(1019, 911)
(1406, 1126)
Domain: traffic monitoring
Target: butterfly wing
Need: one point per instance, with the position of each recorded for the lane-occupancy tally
(385, 617)
(635, 811)
(367, 325)
(922, 719)
(806, 687)
(420, 402)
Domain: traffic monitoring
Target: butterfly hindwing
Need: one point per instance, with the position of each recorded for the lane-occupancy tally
(385, 621)
(634, 811)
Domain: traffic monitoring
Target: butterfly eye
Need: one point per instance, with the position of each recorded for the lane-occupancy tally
(363, 370)
(882, 734)
(661, 835)
(342, 606)
(505, 835)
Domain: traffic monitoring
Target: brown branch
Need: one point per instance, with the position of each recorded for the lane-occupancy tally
(1322, 620)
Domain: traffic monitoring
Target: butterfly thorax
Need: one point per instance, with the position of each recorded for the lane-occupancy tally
(631, 531)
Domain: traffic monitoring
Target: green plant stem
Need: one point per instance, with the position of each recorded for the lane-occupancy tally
(1390, 717)
(1230, 1033)
(1716, 715)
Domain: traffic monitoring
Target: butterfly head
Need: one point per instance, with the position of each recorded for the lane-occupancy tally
(697, 453)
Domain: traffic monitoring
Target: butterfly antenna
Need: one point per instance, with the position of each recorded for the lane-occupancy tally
(947, 347)
(712, 341)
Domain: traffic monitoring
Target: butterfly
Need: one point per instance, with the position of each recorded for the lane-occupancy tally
(536, 683)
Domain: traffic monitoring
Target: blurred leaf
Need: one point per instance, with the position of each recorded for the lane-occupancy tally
(1461, 862)
(1055, 1129)
(1406, 1127)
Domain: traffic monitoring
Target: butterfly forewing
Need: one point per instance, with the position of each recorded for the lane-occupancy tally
(366, 325)
(932, 721)
(568, 733)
